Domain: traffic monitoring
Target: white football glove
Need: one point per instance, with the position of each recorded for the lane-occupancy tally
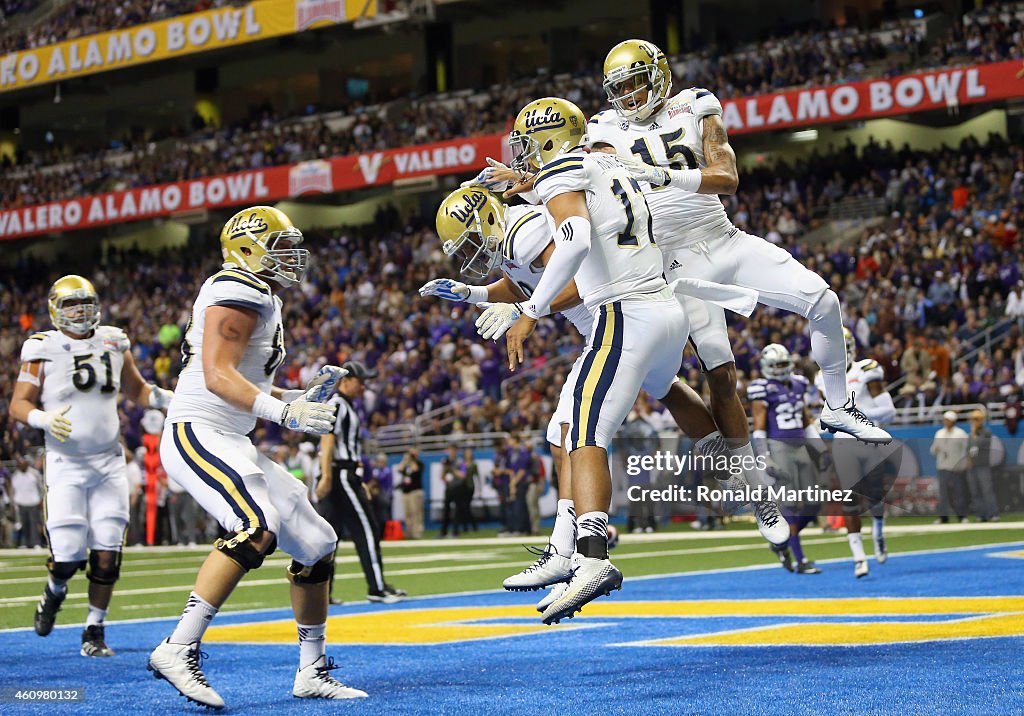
(55, 423)
(307, 416)
(496, 319)
(159, 398)
(446, 288)
(486, 179)
(320, 388)
(655, 176)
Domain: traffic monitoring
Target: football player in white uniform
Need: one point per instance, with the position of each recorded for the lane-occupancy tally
(68, 386)
(233, 346)
(860, 468)
(603, 240)
(519, 240)
(679, 145)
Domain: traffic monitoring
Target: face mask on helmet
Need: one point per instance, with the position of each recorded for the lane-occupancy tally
(283, 259)
(76, 313)
(777, 369)
(480, 253)
(525, 152)
(634, 92)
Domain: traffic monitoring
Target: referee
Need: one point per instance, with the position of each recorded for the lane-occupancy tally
(342, 499)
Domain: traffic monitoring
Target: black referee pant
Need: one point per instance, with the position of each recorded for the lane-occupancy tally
(348, 510)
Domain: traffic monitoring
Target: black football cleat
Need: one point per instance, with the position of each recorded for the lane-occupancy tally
(93, 643)
(785, 559)
(46, 611)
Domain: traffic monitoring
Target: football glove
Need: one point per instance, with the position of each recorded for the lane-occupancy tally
(159, 398)
(320, 388)
(655, 176)
(307, 416)
(496, 319)
(486, 178)
(55, 423)
(446, 288)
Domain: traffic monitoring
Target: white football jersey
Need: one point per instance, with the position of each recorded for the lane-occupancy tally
(858, 375)
(673, 137)
(623, 260)
(84, 373)
(528, 231)
(192, 402)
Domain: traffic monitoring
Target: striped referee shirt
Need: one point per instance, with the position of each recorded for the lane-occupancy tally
(348, 443)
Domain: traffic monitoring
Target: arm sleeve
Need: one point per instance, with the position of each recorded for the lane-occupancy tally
(572, 244)
(34, 348)
(240, 290)
(705, 103)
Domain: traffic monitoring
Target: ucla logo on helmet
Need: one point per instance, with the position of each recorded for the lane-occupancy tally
(253, 223)
(551, 119)
(471, 201)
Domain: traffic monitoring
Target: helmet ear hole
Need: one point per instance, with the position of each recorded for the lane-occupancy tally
(549, 145)
(246, 251)
(490, 219)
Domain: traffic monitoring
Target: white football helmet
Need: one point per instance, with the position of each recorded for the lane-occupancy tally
(776, 362)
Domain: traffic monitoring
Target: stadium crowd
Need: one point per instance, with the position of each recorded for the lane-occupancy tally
(267, 137)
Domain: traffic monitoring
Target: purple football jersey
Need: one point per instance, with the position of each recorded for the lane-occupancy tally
(785, 399)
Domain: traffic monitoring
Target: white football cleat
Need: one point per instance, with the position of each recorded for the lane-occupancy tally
(848, 419)
(315, 682)
(554, 593)
(770, 522)
(179, 665)
(881, 553)
(550, 568)
(860, 569)
(591, 578)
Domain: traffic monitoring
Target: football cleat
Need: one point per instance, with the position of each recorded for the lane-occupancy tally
(848, 419)
(93, 643)
(400, 593)
(383, 597)
(180, 665)
(785, 558)
(770, 522)
(46, 611)
(590, 578)
(315, 682)
(807, 567)
(550, 568)
(554, 593)
(881, 553)
(860, 569)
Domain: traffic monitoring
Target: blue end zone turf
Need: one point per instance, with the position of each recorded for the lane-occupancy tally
(925, 633)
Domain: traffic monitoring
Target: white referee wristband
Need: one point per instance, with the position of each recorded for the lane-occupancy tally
(685, 179)
(477, 294)
(38, 419)
(269, 408)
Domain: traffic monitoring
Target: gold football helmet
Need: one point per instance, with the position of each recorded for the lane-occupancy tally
(637, 79)
(74, 304)
(263, 241)
(543, 130)
(471, 225)
(851, 346)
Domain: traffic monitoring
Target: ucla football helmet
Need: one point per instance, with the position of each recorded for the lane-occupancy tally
(74, 304)
(471, 225)
(632, 68)
(263, 241)
(776, 362)
(545, 129)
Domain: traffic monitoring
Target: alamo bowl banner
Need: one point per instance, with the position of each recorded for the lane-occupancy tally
(919, 92)
(321, 176)
(177, 36)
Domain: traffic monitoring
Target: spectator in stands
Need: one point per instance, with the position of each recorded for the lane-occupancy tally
(136, 496)
(950, 448)
(27, 496)
(1015, 303)
(410, 472)
(521, 466)
(534, 490)
(979, 475)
